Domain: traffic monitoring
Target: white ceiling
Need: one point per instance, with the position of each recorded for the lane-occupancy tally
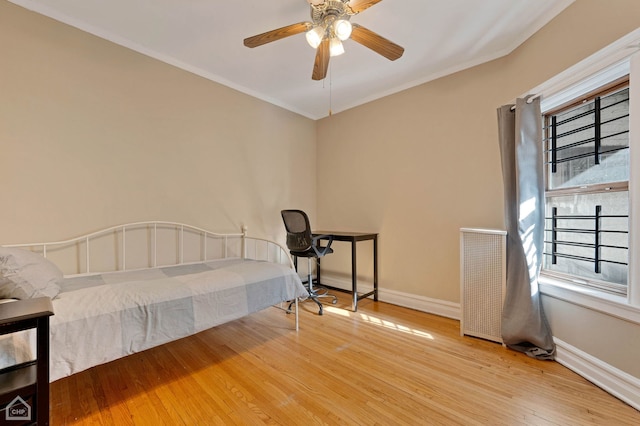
(205, 37)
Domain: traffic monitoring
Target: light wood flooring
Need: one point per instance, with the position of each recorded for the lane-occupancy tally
(383, 365)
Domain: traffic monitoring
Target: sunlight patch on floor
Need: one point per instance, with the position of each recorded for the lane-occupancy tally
(341, 312)
(377, 321)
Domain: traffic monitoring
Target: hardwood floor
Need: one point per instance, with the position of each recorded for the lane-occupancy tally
(383, 365)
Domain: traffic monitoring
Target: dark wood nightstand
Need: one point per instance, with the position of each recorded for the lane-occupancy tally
(24, 388)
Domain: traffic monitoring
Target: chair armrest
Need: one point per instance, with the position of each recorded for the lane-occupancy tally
(314, 243)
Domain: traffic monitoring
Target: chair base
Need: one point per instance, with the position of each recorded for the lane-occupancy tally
(315, 296)
(316, 293)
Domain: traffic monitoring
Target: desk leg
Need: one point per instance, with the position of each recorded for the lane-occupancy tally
(354, 277)
(375, 268)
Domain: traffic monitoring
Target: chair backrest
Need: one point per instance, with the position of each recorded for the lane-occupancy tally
(296, 222)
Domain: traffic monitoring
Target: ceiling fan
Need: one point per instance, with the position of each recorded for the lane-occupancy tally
(330, 25)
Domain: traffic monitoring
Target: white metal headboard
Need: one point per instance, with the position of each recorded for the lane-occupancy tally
(81, 255)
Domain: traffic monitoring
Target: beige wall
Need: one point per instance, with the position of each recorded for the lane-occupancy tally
(415, 167)
(419, 165)
(604, 337)
(93, 134)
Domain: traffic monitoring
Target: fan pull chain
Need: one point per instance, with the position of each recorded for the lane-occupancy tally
(330, 86)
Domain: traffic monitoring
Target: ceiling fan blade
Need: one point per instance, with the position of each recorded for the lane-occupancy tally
(280, 33)
(358, 6)
(321, 63)
(377, 43)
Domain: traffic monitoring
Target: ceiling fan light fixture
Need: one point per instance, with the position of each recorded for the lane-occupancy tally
(328, 27)
(335, 47)
(315, 36)
(342, 29)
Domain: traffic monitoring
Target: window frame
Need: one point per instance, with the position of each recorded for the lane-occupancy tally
(609, 88)
(608, 64)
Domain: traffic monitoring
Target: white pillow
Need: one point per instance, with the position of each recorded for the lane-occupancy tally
(25, 274)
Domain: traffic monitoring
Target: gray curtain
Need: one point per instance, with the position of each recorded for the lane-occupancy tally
(524, 325)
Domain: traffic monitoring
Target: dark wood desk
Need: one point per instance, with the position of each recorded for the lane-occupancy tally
(353, 238)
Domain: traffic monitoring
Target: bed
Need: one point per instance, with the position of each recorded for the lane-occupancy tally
(132, 287)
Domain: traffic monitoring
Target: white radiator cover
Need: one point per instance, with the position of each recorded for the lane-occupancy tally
(483, 276)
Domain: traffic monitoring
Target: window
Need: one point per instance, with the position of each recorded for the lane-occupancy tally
(586, 146)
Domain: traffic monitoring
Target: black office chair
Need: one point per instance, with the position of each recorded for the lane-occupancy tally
(302, 243)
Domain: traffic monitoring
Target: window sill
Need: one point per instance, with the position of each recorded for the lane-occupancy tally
(609, 304)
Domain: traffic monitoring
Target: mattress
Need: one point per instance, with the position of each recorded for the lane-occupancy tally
(99, 318)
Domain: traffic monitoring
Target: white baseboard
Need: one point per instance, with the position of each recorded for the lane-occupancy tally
(420, 303)
(616, 382)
